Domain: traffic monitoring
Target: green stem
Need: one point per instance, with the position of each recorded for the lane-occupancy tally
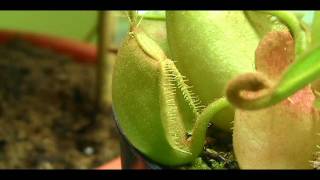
(133, 19)
(103, 44)
(202, 122)
(315, 35)
(300, 74)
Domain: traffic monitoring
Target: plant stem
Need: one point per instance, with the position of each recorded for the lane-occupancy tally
(316, 29)
(103, 43)
(133, 19)
(203, 120)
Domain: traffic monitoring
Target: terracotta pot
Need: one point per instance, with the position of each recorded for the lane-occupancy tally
(82, 52)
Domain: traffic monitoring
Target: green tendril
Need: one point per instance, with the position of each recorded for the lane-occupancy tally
(202, 122)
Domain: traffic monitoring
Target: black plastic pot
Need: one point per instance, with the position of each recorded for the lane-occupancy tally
(131, 158)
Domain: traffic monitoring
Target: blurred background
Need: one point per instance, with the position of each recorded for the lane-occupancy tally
(78, 25)
(72, 24)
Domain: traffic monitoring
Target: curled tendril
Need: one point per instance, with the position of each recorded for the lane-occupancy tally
(261, 92)
(250, 91)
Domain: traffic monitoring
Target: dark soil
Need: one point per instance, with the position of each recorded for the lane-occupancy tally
(218, 152)
(47, 114)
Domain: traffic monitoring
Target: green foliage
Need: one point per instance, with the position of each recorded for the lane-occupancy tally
(170, 76)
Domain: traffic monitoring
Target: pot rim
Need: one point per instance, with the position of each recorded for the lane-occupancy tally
(81, 52)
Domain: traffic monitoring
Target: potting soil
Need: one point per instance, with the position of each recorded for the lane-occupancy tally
(48, 117)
